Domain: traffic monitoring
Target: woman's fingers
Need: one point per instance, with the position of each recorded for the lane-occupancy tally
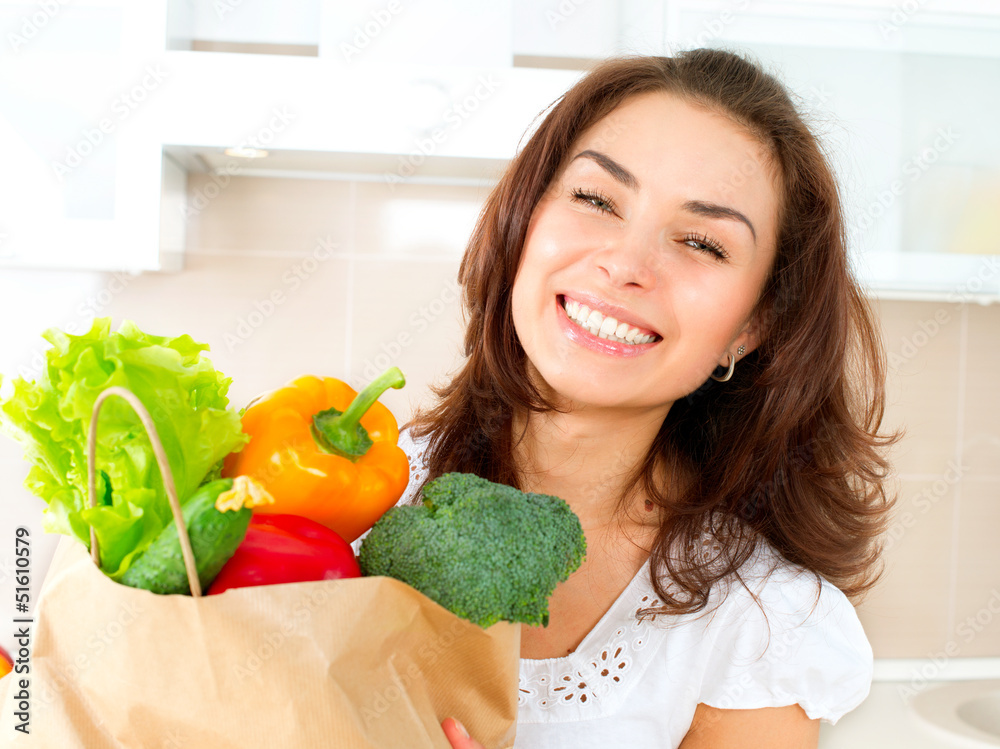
(457, 735)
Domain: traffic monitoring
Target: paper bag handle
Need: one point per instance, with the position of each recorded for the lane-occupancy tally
(168, 480)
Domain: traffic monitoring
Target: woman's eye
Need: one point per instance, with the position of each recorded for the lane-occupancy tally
(595, 199)
(603, 204)
(707, 245)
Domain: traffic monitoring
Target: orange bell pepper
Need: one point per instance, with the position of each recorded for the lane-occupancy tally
(325, 452)
(6, 663)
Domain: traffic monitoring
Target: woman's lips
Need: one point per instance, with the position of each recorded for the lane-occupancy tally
(602, 345)
(609, 310)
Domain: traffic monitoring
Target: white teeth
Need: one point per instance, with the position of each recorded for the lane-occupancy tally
(594, 322)
(604, 327)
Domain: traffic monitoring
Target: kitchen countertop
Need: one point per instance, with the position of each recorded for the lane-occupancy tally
(886, 721)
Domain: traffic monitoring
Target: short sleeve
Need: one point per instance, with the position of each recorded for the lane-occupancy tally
(806, 650)
(415, 454)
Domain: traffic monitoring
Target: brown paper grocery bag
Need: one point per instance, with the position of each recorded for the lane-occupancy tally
(365, 662)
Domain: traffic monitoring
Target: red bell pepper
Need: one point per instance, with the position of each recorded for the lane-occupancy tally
(286, 549)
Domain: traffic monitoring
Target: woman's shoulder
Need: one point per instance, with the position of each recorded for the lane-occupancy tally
(781, 590)
(785, 635)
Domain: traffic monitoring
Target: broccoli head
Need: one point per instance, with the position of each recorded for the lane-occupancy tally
(486, 552)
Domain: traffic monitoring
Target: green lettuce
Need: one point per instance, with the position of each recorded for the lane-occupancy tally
(185, 396)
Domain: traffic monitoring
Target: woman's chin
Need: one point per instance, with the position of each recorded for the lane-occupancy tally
(568, 391)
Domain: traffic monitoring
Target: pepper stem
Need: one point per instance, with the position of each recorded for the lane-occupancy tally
(341, 433)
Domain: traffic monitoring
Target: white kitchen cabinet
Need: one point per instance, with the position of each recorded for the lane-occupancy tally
(903, 94)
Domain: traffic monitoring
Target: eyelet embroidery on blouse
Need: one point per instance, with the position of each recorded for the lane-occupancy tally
(415, 453)
(417, 469)
(584, 682)
(709, 550)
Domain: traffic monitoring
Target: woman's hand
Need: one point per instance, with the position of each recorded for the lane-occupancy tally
(456, 734)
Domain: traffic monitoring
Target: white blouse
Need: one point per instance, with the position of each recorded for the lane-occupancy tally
(637, 682)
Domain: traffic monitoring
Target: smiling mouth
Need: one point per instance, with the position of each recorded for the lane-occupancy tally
(605, 326)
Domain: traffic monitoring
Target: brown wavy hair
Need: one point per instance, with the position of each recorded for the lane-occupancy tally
(788, 450)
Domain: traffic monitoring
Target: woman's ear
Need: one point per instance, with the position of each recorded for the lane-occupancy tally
(749, 338)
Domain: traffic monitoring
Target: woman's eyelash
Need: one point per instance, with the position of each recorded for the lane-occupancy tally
(592, 198)
(712, 247)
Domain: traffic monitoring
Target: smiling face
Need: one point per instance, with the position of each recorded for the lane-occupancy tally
(668, 228)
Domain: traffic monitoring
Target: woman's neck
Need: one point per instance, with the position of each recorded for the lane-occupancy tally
(585, 457)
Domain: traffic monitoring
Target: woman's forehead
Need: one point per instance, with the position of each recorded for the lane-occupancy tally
(683, 150)
(665, 111)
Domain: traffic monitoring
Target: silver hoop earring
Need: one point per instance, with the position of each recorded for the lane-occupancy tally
(729, 372)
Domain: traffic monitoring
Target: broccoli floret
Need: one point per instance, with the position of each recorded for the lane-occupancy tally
(486, 552)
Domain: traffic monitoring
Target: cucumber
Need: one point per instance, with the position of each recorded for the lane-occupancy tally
(214, 537)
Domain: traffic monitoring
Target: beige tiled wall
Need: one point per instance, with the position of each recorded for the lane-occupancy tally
(284, 277)
(365, 273)
(941, 588)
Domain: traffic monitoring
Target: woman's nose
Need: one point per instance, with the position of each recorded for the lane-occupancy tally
(633, 258)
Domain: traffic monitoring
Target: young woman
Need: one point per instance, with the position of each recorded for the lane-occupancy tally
(663, 331)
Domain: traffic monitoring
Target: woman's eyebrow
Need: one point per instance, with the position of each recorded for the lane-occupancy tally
(612, 167)
(714, 210)
(698, 207)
